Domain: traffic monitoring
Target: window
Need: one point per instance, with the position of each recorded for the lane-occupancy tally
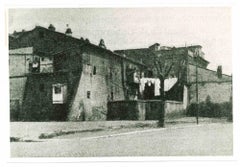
(41, 87)
(59, 93)
(42, 58)
(88, 94)
(111, 95)
(57, 89)
(94, 70)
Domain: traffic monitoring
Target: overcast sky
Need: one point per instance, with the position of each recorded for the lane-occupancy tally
(140, 27)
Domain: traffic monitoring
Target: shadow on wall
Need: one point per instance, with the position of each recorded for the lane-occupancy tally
(134, 110)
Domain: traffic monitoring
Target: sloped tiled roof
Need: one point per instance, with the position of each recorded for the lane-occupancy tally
(50, 48)
(147, 51)
(206, 75)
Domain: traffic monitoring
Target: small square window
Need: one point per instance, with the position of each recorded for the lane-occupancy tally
(111, 95)
(42, 58)
(88, 94)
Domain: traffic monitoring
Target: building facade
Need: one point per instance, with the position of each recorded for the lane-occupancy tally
(64, 78)
(185, 60)
(54, 76)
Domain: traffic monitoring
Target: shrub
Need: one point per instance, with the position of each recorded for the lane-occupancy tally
(209, 109)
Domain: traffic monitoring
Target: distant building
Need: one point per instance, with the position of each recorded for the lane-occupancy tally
(210, 83)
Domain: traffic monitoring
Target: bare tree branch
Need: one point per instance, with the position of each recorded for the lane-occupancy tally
(168, 71)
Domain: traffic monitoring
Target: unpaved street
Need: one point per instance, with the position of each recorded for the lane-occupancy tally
(206, 139)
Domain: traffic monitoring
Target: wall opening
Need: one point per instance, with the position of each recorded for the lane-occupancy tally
(59, 93)
(112, 96)
(94, 70)
(88, 94)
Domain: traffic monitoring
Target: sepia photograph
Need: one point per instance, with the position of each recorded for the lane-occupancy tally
(120, 82)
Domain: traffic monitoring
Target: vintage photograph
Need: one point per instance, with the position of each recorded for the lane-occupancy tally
(120, 82)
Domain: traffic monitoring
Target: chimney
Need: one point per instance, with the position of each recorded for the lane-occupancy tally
(102, 44)
(87, 40)
(155, 47)
(68, 31)
(51, 27)
(219, 71)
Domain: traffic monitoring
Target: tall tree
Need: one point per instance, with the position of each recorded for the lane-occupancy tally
(162, 67)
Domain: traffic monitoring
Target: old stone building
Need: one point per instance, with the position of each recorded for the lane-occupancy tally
(185, 59)
(54, 76)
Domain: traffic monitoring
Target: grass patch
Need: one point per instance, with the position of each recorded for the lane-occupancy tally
(189, 120)
(61, 133)
(15, 139)
(210, 109)
(137, 125)
(18, 139)
(175, 115)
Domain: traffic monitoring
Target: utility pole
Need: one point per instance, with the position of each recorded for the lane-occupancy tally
(196, 58)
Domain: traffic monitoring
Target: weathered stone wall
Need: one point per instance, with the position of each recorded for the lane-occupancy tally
(100, 82)
(209, 84)
(124, 110)
(90, 84)
(173, 107)
(205, 75)
(218, 92)
(18, 65)
(142, 109)
(17, 82)
(17, 88)
(38, 104)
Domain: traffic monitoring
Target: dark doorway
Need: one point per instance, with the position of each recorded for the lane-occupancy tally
(149, 91)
